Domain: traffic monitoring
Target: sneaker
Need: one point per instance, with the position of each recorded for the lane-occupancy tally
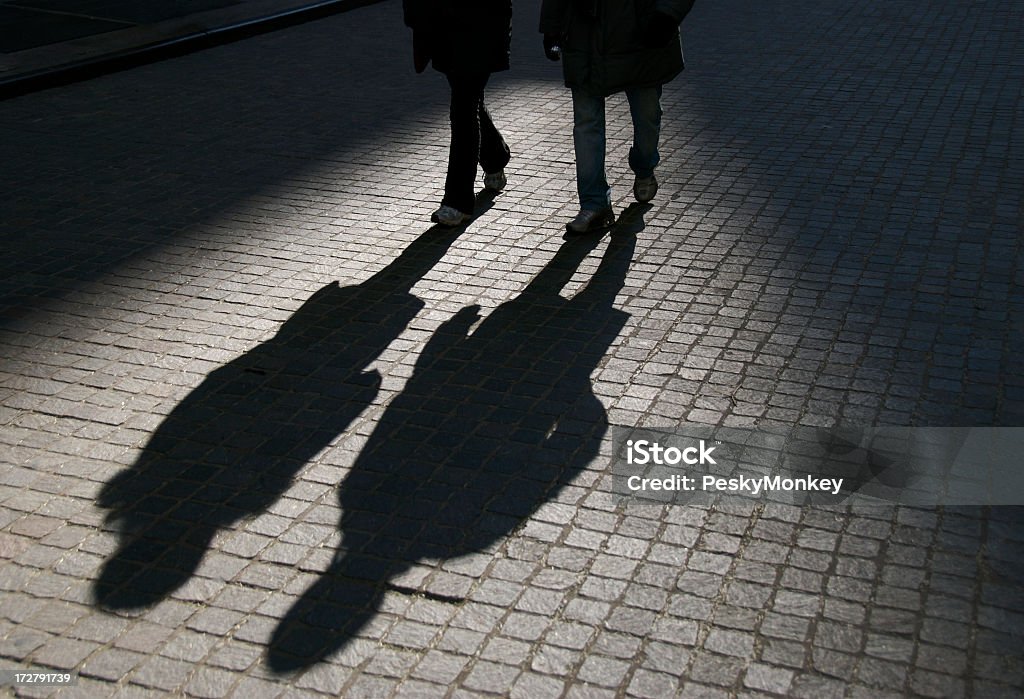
(644, 188)
(588, 220)
(449, 216)
(495, 181)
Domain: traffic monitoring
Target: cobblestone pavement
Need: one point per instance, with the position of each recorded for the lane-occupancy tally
(265, 432)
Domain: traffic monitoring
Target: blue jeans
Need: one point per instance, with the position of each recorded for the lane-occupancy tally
(589, 140)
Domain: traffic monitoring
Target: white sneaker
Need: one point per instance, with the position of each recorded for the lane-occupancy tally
(449, 216)
(588, 220)
(495, 181)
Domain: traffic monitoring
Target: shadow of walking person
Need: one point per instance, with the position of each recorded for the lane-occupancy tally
(234, 444)
(491, 425)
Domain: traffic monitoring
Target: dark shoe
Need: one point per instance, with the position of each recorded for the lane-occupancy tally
(495, 181)
(644, 188)
(588, 220)
(449, 216)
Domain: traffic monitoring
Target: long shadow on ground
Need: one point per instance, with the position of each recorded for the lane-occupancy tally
(233, 445)
(495, 420)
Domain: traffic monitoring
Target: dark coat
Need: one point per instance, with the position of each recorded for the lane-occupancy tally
(461, 36)
(603, 49)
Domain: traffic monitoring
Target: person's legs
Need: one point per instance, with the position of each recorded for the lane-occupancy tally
(467, 93)
(588, 137)
(494, 152)
(645, 108)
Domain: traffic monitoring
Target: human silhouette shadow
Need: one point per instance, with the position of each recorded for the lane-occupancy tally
(234, 444)
(494, 422)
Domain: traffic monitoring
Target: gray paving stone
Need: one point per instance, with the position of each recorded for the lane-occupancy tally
(367, 687)
(585, 691)
(162, 673)
(530, 685)
(665, 657)
(441, 668)
(603, 671)
(528, 627)
(210, 682)
(882, 674)
(485, 676)
(716, 670)
(257, 689)
(461, 641)
(732, 643)
(111, 664)
(807, 686)
(769, 679)
(389, 662)
(649, 684)
(693, 690)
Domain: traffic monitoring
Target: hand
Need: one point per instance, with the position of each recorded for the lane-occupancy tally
(551, 48)
(659, 29)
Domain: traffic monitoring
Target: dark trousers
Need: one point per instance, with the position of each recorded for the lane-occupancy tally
(474, 140)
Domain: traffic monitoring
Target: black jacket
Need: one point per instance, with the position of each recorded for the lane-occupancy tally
(461, 36)
(603, 47)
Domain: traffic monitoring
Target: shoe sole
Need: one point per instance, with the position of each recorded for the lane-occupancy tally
(598, 224)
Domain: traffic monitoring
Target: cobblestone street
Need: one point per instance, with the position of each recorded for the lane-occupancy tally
(267, 432)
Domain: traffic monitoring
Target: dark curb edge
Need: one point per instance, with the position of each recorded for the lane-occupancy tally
(171, 48)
